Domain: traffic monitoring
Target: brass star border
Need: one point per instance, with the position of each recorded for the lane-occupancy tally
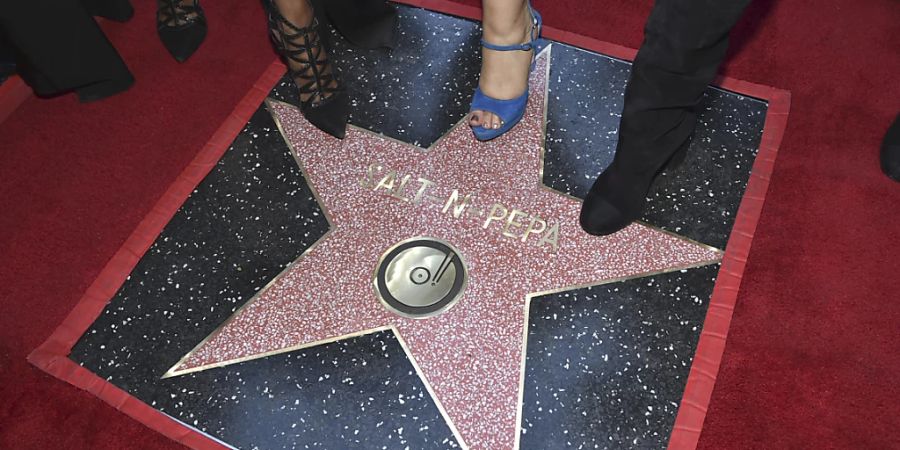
(271, 105)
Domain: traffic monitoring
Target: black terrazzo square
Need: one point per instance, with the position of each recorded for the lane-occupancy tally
(606, 365)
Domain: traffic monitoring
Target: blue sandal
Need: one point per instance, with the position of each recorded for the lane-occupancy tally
(509, 111)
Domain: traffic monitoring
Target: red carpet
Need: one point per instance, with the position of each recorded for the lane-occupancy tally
(811, 357)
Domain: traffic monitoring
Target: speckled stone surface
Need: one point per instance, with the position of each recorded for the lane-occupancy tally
(471, 355)
(607, 365)
(255, 214)
(252, 216)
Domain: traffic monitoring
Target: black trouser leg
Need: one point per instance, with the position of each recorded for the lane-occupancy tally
(364, 23)
(61, 48)
(684, 43)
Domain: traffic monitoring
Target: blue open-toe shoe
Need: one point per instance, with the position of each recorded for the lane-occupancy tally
(509, 111)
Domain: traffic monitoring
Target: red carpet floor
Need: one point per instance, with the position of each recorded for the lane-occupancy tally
(812, 357)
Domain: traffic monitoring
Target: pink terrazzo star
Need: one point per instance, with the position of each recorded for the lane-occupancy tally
(472, 355)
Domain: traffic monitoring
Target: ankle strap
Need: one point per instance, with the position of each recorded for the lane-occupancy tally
(505, 48)
(534, 33)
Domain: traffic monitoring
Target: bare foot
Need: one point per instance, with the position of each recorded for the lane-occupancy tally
(504, 75)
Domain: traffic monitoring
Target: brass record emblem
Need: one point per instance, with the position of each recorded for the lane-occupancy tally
(420, 277)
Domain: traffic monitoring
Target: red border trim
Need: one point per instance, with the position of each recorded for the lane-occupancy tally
(52, 355)
(13, 92)
(711, 347)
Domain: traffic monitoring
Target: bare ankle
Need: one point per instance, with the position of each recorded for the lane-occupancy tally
(506, 32)
(297, 12)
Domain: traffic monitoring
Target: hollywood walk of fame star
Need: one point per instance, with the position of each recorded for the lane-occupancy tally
(471, 356)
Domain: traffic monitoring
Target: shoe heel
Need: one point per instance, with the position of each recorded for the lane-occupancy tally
(104, 89)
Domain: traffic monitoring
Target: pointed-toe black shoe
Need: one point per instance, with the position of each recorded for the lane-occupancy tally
(181, 26)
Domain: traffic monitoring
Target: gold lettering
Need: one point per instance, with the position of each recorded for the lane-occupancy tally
(515, 223)
(387, 182)
(425, 184)
(532, 229)
(511, 222)
(369, 181)
(398, 194)
(496, 207)
(458, 208)
(551, 237)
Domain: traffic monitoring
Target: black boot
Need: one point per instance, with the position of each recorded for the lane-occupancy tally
(323, 101)
(684, 43)
(890, 151)
(181, 25)
(619, 194)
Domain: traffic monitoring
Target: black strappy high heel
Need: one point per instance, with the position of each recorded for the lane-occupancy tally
(181, 27)
(323, 101)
